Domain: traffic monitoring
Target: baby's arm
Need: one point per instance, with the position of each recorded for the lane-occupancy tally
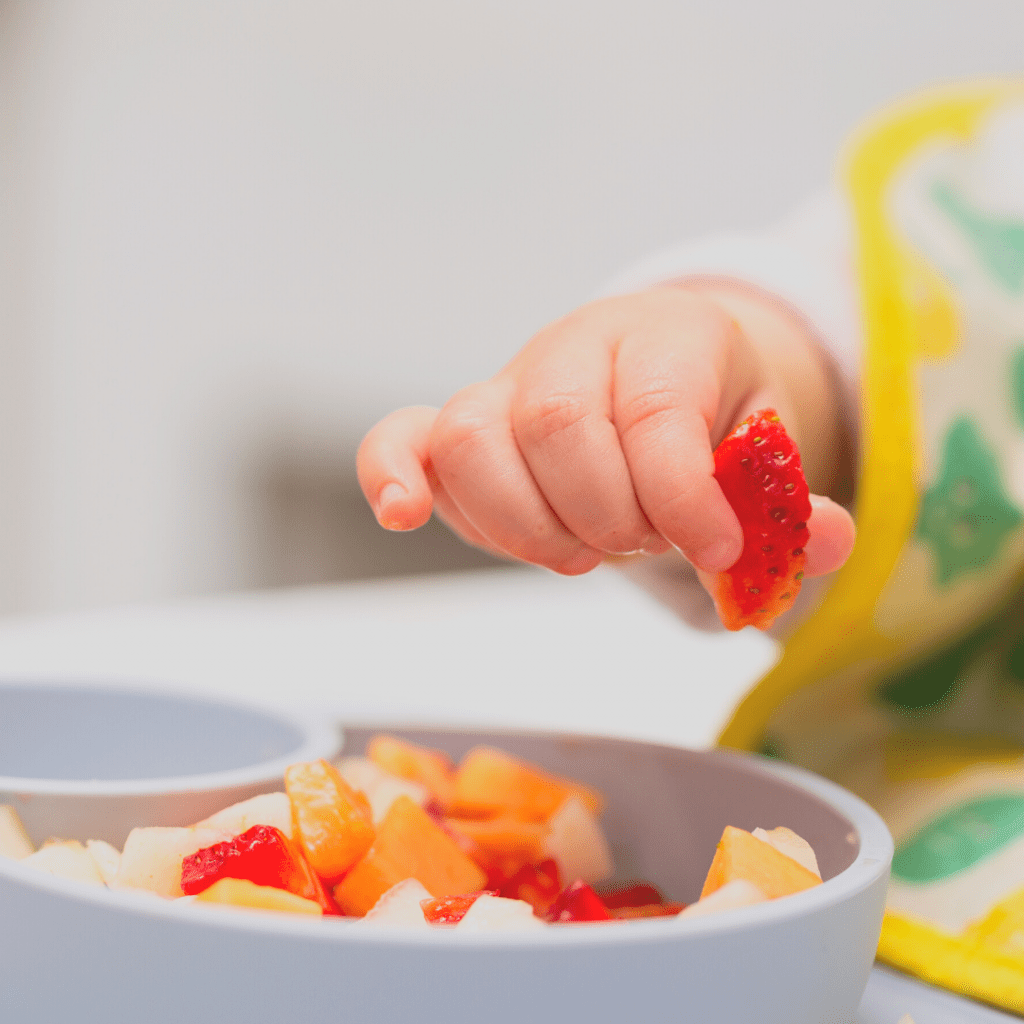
(597, 438)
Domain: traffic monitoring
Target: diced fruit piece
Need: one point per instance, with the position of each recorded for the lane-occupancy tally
(240, 892)
(14, 840)
(740, 855)
(451, 909)
(737, 893)
(107, 859)
(490, 782)
(646, 910)
(758, 468)
(380, 787)
(578, 902)
(409, 844)
(266, 809)
(633, 894)
(495, 913)
(332, 821)
(537, 884)
(67, 860)
(504, 837)
(788, 842)
(577, 843)
(430, 768)
(152, 857)
(402, 905)
(263, 855)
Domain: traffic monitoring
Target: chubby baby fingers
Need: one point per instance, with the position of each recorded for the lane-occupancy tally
(391, 465)
(477, 461)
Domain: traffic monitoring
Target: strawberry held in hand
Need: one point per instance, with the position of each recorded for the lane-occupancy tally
(758, 468)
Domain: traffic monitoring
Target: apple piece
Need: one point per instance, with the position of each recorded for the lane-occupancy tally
(272, 809)
(496, 913)
(788, 842)
(240, 892)
(577, 843)
(106, 857)
(68, 859)
(740, 855)
(430, 768)
(14, 840)
(409, 844)
(333, 822)
(577, 902)
(401, 905)
(490, 782)
(152, 856)
(380, 787)
(738, 893)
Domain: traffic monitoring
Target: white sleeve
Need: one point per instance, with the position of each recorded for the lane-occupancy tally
(806, 262)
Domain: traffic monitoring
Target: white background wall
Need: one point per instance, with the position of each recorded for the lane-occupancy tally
(234, 234)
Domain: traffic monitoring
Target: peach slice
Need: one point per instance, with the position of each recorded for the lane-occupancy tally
(430, 768)
(490, 782)
(331, 820)
(742, 855)
(409, 844)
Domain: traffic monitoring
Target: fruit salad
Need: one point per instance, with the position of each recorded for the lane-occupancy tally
(404, 837)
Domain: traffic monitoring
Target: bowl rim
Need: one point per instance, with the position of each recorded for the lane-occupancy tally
(321, 736)
(870, 867)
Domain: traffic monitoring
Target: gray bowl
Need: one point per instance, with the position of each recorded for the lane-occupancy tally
(71, 950)
(95, 761)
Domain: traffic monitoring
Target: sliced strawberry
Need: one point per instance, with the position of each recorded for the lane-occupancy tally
(451, 909)
(758, 468)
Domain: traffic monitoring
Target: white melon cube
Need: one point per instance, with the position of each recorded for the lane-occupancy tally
(497, 914)
(106, 857)
(381, 788)
(67, 860)
(14, 840)
(152, 857)
(578, 844)
(266, 809)
(738, 893)
(400, 905)
(788, 843)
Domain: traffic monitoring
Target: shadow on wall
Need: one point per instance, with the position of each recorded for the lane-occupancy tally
(316, 527)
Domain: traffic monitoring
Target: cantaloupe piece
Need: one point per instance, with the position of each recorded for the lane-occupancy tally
(430, 768)
(786, 841)
(409, 844)
(490, 782)
(504, 836)
(741, 855)
(240, 892)
(332, 821)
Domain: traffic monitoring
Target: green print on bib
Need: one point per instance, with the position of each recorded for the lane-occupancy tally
(1017, 384)
(960, 838)
(965, 515)
(998, 243)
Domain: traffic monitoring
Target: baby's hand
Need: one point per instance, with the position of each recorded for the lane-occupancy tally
(597, 438)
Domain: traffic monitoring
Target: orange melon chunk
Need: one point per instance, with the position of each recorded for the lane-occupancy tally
(409, 844)
(742, 855)
(240, 892)
(505, 836)
(331, 821)
(430, 768)
(489, 782)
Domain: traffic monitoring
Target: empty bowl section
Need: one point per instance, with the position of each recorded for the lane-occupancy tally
(96, 761)
(75, 734)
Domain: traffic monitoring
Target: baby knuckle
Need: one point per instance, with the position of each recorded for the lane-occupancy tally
(543, 418)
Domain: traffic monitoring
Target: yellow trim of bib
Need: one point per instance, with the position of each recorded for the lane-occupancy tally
(841, 633)
(966, 965)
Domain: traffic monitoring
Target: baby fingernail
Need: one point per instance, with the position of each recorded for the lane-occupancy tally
(389, 494)
(717, 556)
